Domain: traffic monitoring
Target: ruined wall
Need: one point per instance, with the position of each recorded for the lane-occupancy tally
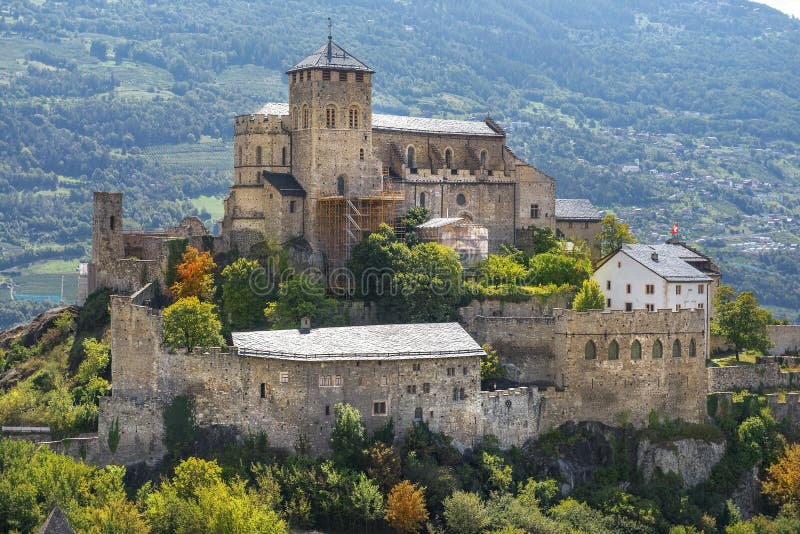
(786, 339)
(750, 377)
(788, 409)
(513, 415)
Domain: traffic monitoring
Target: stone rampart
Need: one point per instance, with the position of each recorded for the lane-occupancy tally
(787, 409)
(750, 377)
(513, 415)
(786, 339)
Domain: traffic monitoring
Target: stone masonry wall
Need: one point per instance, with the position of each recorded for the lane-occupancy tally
(788, 409)
(750, 377)
(513, 415)
(786, 339)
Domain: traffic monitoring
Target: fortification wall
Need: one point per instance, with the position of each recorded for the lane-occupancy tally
(141, 431)
(526, 345)
(513, 415)
(750, 377)
(786, 339)
(788, 409)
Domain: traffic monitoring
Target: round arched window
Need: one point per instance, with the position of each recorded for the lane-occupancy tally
(461, 199)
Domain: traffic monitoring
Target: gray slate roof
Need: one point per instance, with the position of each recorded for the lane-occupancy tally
(402, 123)
(56, 523)
(439, 222)
(374, 342)
(437, 126)
(330, 56)
(680, 251)
(668, 263)
(576, 209)
(285, 183)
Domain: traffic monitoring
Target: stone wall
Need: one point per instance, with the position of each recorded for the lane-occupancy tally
(750, 377)
(788, 409)
(786, 339)
(513, 415)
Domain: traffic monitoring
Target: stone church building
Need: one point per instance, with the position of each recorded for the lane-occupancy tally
(323, 168)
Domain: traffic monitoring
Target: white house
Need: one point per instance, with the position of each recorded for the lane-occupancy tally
(655, 277)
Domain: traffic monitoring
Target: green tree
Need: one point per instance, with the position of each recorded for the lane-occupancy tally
(541, 240)
(431, 287)
(497, 270)
(590, 297)
(465, 513)
(413, 218)
(300, 297)
(367, 499)
(613, 234)
(490, 365)
(739, 320)
(559, 269)
(348, 438)
(190, 323)
(242, 305)
(374, 263)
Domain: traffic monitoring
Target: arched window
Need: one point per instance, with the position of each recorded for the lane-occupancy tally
(112, 221)
(258, 155)
(410, 157)
(448, 159)
(361, 154)
(483, 159)
(676, 349)
(418, 414)
(353, 117)
(283, 156)
(330, 116)
(340, 183)
(461, 199)
(692, 348)
(590, 351)
(422, 200)
(636, 350)
(295, 117)
(613, 350)
(657, 349)
(305, 116)
(240, 155)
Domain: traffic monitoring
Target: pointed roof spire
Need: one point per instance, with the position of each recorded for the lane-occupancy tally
(330, 56)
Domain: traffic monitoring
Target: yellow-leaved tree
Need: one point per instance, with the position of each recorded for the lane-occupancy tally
(782, 484)
(405, 507)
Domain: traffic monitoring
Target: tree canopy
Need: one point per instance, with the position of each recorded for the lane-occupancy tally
(739, 320)
(613, 234)
(190, 323)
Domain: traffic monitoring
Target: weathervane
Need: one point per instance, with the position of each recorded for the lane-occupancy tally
(330, 29)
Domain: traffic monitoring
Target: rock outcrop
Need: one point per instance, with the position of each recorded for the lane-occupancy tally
(691, 459)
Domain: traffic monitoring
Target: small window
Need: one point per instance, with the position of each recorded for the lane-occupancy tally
(326, 75)
(608, 284)
(284, 377)
(263, 390)
(677, 307)
(305, 117)
(258, 155)
(283, 156)
(461, 199)
(353, 117)
(411, 389)
(650, 307)
(613, 351)
(301, 76)
(359, 77)
(608, 303)
(700, 305)
(534, 211)
(330, 117)
(426, 387)
(586, 225)
(483, 158)
(240, 156)
(692, 348)
(590, 350)
(461, 395)
(418, 414)
(448, 158)
(338, 380)
(678, 289)
(657, 350)
(629, 306)
(410, 157)
(327, 409)
(384, 381)
(422, 200)
(569, 225)
(340, 185)
(415, 366)
(636, 350)
(342, 76)
(112, 222)
(676, 349)
(292, 206)
(451, 371)
(464, 371)
(361, 154)
(294, 77)
(628, 289)
(650, 289)
(325, 380)
(701, 289)
(379, 408)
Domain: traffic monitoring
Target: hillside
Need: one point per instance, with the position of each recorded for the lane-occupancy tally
(139, 97)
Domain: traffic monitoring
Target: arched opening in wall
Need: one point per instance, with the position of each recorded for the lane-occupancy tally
(483, 159)
(353, 117)
(657, 349)
(422, 200)
(112, 222)
(590, 351)
(340, 185)
(692, 348)
(240, 155)
(466, 216)
(461, 199)
(410, 157)
(636, 350)
(418, 414)
(258, 155)
(361, 154)
(613, 350)
(448, 158)
(305, 116)
(295, 116)
(330, 116)
(283, 156)
(676, 349)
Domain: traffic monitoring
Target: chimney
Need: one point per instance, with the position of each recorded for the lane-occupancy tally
(305, 325)
(654, 256)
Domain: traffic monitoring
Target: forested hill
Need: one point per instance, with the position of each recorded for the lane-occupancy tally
(663, 110)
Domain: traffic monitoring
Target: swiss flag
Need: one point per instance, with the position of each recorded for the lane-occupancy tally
(675, 229)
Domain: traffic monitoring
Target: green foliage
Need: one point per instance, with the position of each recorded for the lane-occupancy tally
(541, 241)
(590, 297)
(496, 474)
(190, 323)
(559, 269)
(179, 426)
(739, 320)
(243, 306)
(367, 499)
(384, 465)
(409, 222)
(431, 287)
(348, 438)
(613, 234)
(502, 270)
(465, 513)
(113, 435)
(299, 297)
(175, 249)
(490, 365)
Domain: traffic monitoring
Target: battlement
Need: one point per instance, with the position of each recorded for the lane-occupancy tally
(790, 399)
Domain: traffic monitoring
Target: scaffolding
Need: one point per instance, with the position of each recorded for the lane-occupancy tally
(344, 220)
